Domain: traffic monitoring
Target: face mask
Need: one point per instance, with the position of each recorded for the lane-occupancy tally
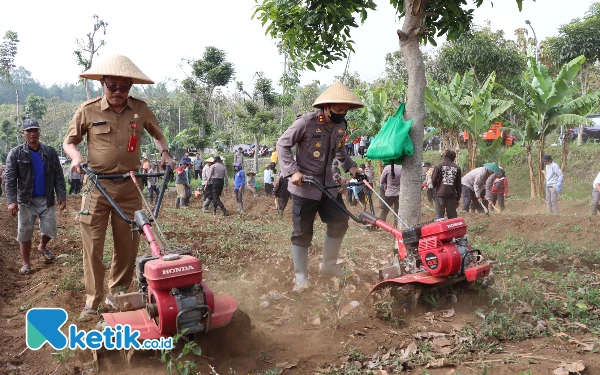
(337, 118)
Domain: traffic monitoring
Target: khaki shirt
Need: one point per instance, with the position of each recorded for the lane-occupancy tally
(317, 144)
(108, 133)
(205, 174)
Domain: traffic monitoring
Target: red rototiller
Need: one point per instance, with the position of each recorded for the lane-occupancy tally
(427, 256)
(172, 296)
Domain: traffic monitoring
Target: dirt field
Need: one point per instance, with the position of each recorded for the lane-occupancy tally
(247, 256)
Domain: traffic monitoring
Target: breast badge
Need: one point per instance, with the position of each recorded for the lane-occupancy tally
(316, 154)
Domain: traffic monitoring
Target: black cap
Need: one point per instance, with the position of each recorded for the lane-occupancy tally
(30, 124)
(335, 162)
(427, 164)
(217, 159)
(363, 166)
(547, 158)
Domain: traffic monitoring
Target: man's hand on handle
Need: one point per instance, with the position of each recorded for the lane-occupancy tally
(296, 178)
(76, 163)
(165, 159)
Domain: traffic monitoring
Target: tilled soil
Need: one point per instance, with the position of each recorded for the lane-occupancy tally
(247, 257)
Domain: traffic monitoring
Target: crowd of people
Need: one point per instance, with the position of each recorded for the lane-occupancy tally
(314, 145)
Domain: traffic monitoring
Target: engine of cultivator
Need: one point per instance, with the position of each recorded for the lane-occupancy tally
(431, 255)
(172, 296)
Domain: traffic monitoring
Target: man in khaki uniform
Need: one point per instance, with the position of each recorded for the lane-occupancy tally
(319, 138)
(113, 125)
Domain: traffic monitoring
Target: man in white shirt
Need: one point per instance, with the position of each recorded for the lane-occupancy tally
(595, 194)
(268, 180)
(554, 178)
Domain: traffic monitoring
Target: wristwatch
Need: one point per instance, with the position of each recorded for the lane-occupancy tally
(165, 150)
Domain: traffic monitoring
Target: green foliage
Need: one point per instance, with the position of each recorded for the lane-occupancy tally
(578, 37)
(306, 96)
(381, 101)
(35, 107)
(488, 52)
(176, 363)
(263, 90)
(314, 33)
(213, 69)
(8, 51)
(317, 33)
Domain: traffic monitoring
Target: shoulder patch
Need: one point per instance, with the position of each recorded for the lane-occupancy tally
(91, 101)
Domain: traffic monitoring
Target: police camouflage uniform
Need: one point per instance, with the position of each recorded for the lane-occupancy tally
(317, 143)
(317, 146)
(108, 135)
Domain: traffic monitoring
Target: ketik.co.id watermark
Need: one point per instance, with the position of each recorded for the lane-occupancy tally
(43, 325)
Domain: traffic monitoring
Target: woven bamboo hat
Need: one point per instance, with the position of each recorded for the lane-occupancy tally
(338, 93)
(119, 66)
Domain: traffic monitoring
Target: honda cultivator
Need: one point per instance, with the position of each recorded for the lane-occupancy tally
(172, 297)
(427, 257)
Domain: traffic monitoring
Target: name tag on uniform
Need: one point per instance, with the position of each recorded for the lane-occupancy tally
(97, 123)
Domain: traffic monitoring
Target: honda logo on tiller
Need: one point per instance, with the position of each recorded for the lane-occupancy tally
(178, 269)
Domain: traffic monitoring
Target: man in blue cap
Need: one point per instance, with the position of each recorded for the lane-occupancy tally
(473, 186)
(33, 176)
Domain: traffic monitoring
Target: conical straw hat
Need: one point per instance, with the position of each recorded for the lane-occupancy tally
(338, 93)
(119, 66)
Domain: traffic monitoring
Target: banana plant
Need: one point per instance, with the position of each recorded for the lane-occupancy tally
(552, 103)
(380, 102)
(479, 110)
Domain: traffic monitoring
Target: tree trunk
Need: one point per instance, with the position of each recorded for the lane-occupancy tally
(531, 174)
(565, 152)
(255, 152)
(410, 183)
(86, 84)
(541, 176)
(580, 135)
(472, 149)
(18, 115)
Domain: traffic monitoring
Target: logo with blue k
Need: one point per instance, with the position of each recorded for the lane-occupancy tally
(43, 326)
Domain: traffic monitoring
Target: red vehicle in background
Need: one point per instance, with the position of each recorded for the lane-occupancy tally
(497, 130)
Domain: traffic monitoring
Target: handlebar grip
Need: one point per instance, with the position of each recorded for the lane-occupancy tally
(308, 179)
(365, 216)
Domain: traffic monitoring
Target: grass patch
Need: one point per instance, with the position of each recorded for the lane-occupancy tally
(549, 281)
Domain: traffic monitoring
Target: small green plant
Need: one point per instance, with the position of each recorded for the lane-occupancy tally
(175, 363)
(274, 371)
(24, 307)
(63, 357)
(70, 282)
(388, 312)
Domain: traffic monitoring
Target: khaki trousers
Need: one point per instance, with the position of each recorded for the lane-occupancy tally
(93, 233)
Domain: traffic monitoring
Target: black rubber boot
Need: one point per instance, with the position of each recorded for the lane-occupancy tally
(225, 213)
(177, 201)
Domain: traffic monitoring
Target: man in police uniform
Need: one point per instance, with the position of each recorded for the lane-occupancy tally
(319, 138)
(113, 125)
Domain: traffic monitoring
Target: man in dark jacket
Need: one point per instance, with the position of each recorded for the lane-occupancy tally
(33, 175)
(447, 186)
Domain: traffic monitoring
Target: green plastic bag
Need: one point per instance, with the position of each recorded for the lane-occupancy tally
(257, 186)
(392, 143)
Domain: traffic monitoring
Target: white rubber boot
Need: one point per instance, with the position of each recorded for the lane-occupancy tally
(331, 250)
(300, 257)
